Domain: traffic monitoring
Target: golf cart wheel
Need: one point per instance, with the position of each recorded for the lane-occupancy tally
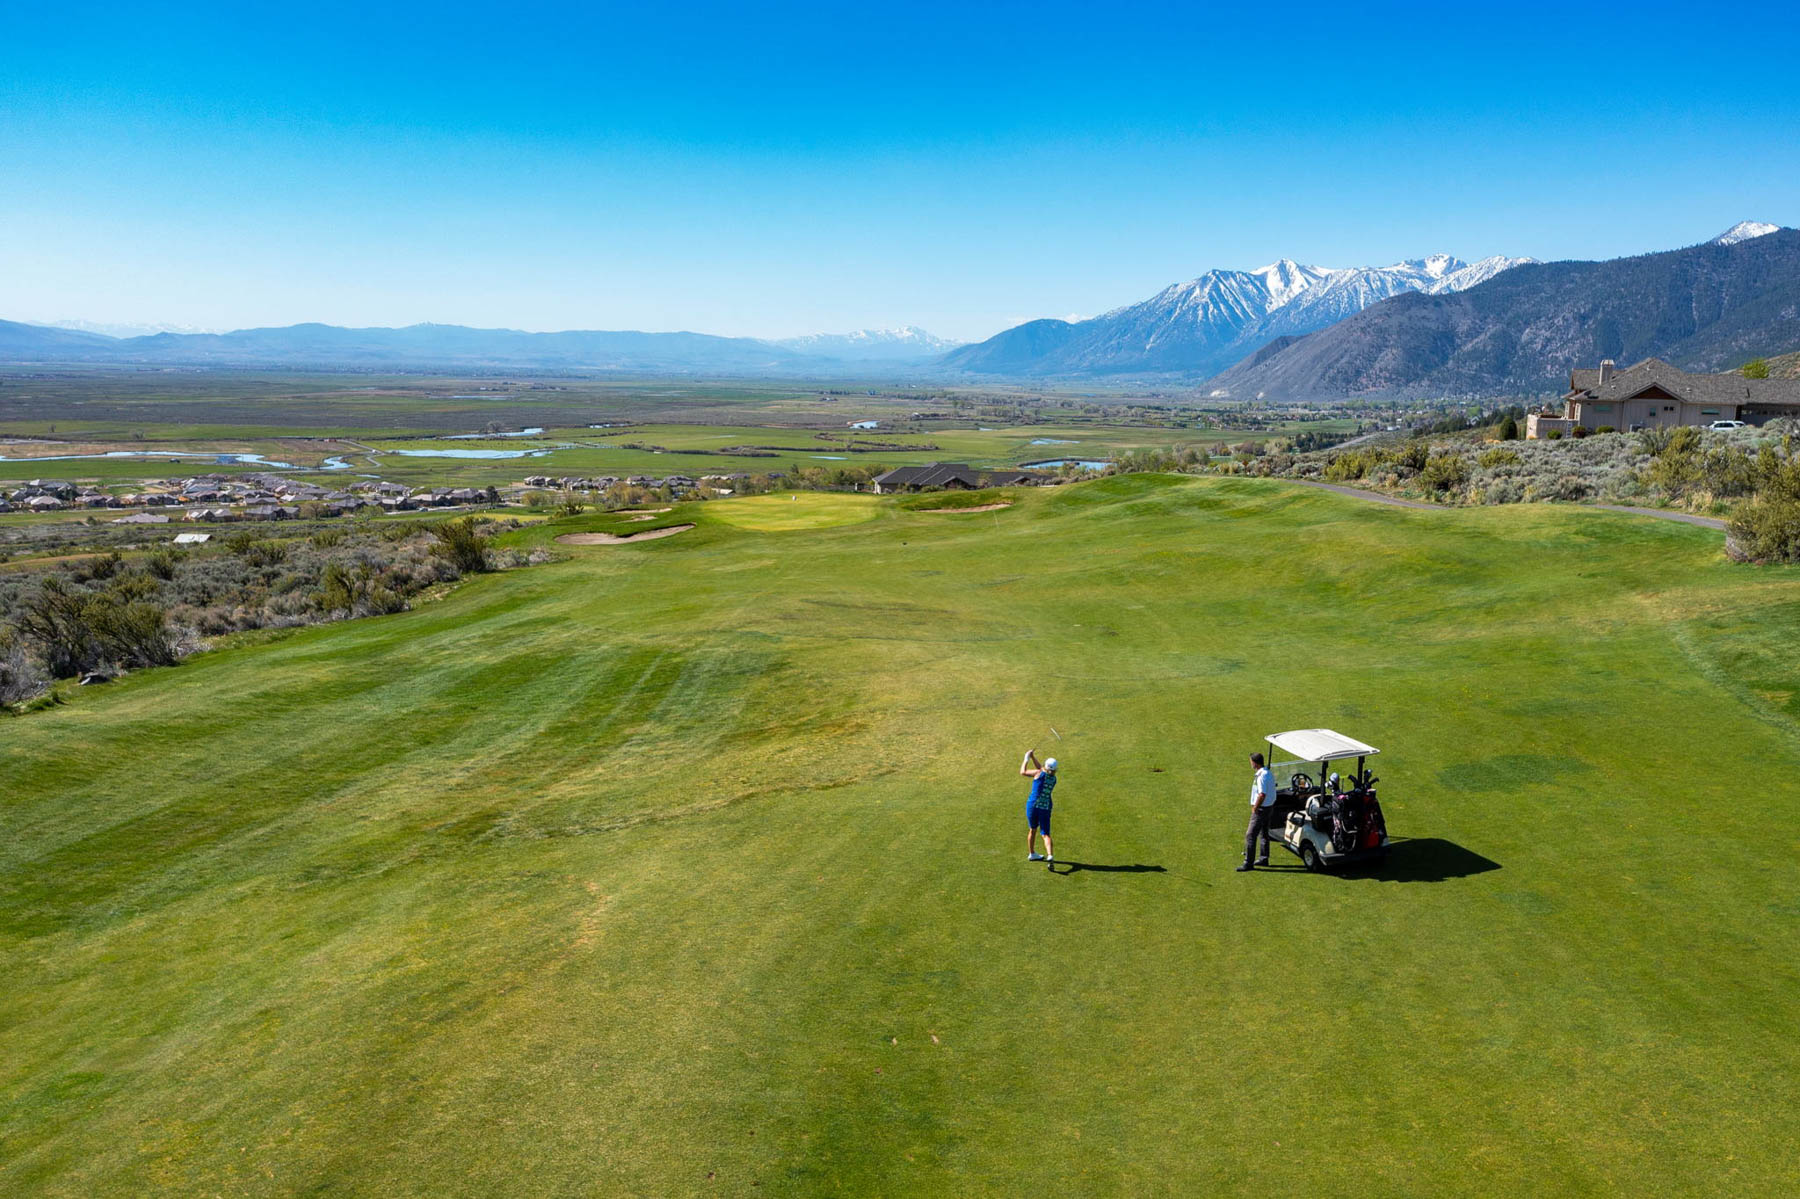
(1309, 857)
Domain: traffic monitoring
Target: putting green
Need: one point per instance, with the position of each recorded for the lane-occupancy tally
(700, 868)
(786, 512)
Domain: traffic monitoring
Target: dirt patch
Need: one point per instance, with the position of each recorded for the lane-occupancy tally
(621, 538)
(976, 508)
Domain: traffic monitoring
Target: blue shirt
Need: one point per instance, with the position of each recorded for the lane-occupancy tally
(1041, 787)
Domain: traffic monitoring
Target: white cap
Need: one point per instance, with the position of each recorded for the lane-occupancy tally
(1049, 763)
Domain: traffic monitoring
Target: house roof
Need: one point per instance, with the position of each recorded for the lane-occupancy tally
(937, 474)
(1584, 384)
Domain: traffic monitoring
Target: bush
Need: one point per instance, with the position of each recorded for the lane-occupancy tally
(1756, 368)
(461, 546)
(1605, 429)
(20, 677)
(160, 564)
(1444, 472)
(1509, 428)
(1553, 435)
(1497, 458)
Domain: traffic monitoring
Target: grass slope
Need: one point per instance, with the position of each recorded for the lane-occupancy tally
(697, 864)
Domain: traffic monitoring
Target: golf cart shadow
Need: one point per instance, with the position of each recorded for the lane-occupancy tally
(1422, 860)
(1063, 866)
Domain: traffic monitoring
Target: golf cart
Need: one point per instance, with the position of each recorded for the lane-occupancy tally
(1325, 820)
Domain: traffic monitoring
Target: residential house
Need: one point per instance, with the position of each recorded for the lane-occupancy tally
(952, 476)
(1654, 394)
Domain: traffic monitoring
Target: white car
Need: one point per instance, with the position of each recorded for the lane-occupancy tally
(1322, 819)
(1726, 424)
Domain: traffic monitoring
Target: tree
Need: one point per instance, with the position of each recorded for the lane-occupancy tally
(1756, 368)
(1509, 429)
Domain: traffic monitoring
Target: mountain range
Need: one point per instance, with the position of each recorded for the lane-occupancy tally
(457, 346)
(1208, 323)
(1433, 325)
(1708, 307)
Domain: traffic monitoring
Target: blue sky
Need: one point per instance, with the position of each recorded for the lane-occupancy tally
(787, 169)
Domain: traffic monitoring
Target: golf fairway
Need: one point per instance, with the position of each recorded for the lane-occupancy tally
(696, 866)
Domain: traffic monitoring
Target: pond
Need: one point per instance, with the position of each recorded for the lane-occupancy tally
(532, 432)
(832, 457)
(218, 458)
(1053, 463)
(468, 453)
(1052, 441)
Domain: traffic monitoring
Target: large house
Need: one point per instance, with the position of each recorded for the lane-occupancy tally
(953, 476)
(1654, 394)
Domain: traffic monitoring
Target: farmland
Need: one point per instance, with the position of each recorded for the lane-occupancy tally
(696, 864)
(170, 423)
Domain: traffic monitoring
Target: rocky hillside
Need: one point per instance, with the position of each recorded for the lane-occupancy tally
(1708, 307)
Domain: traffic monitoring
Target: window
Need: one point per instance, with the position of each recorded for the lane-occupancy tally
(1709, 412)
(1602, 407)
(1668, 407)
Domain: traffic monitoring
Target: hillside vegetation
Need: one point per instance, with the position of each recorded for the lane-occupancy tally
(697, 864)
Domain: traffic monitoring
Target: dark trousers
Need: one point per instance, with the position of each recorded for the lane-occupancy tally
(1259, 827)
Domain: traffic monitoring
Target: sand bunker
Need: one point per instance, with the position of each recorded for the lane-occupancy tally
(976, 508)
(621, 538)
(642, 513)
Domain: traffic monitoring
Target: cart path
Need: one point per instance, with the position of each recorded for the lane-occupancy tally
(1686, 518)
(1363, 494)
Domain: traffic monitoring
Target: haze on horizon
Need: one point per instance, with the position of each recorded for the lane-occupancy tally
(807, 169)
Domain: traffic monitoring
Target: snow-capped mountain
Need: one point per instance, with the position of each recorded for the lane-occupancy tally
(1744, 231)
(870, 345)
(1210, 322)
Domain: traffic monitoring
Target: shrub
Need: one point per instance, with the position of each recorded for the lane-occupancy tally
(1554, 435)
(1509, 428)
(1497, 457)
(1605, 429)
(160, 564)
(1756, 368)
(20, 677)
(1444, 472)
(461, 546)
(1579, 431)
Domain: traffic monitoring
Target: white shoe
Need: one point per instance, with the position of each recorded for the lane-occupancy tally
(1034, 857)
(1050, 857)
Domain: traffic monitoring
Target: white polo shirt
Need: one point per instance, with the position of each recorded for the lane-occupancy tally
(1264, 782)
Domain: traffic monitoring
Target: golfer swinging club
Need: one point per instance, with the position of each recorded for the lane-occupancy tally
(1037, 805)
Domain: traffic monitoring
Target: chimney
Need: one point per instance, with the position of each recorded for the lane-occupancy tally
(1607, 366)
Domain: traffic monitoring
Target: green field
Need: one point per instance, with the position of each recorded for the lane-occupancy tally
(697, 865)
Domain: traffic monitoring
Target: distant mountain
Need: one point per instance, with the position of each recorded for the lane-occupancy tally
(1743, 231)
(1209, 322)
(416, 346)
(905, 344)
(124, 330)
(37, 342)
(1708, 307)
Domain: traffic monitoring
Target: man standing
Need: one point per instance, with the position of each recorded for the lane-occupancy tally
(1262, 801)
(1037, 805)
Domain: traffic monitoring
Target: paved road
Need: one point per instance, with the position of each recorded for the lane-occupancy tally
(1705, 522)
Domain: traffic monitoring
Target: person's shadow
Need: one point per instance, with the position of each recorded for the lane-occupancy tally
(1068, 867)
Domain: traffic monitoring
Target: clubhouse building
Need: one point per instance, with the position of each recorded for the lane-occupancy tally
(1654, 394)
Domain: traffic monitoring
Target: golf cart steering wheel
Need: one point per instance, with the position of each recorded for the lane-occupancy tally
(1301, 783)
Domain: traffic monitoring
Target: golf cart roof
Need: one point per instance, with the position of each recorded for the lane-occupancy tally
(1320, 745)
